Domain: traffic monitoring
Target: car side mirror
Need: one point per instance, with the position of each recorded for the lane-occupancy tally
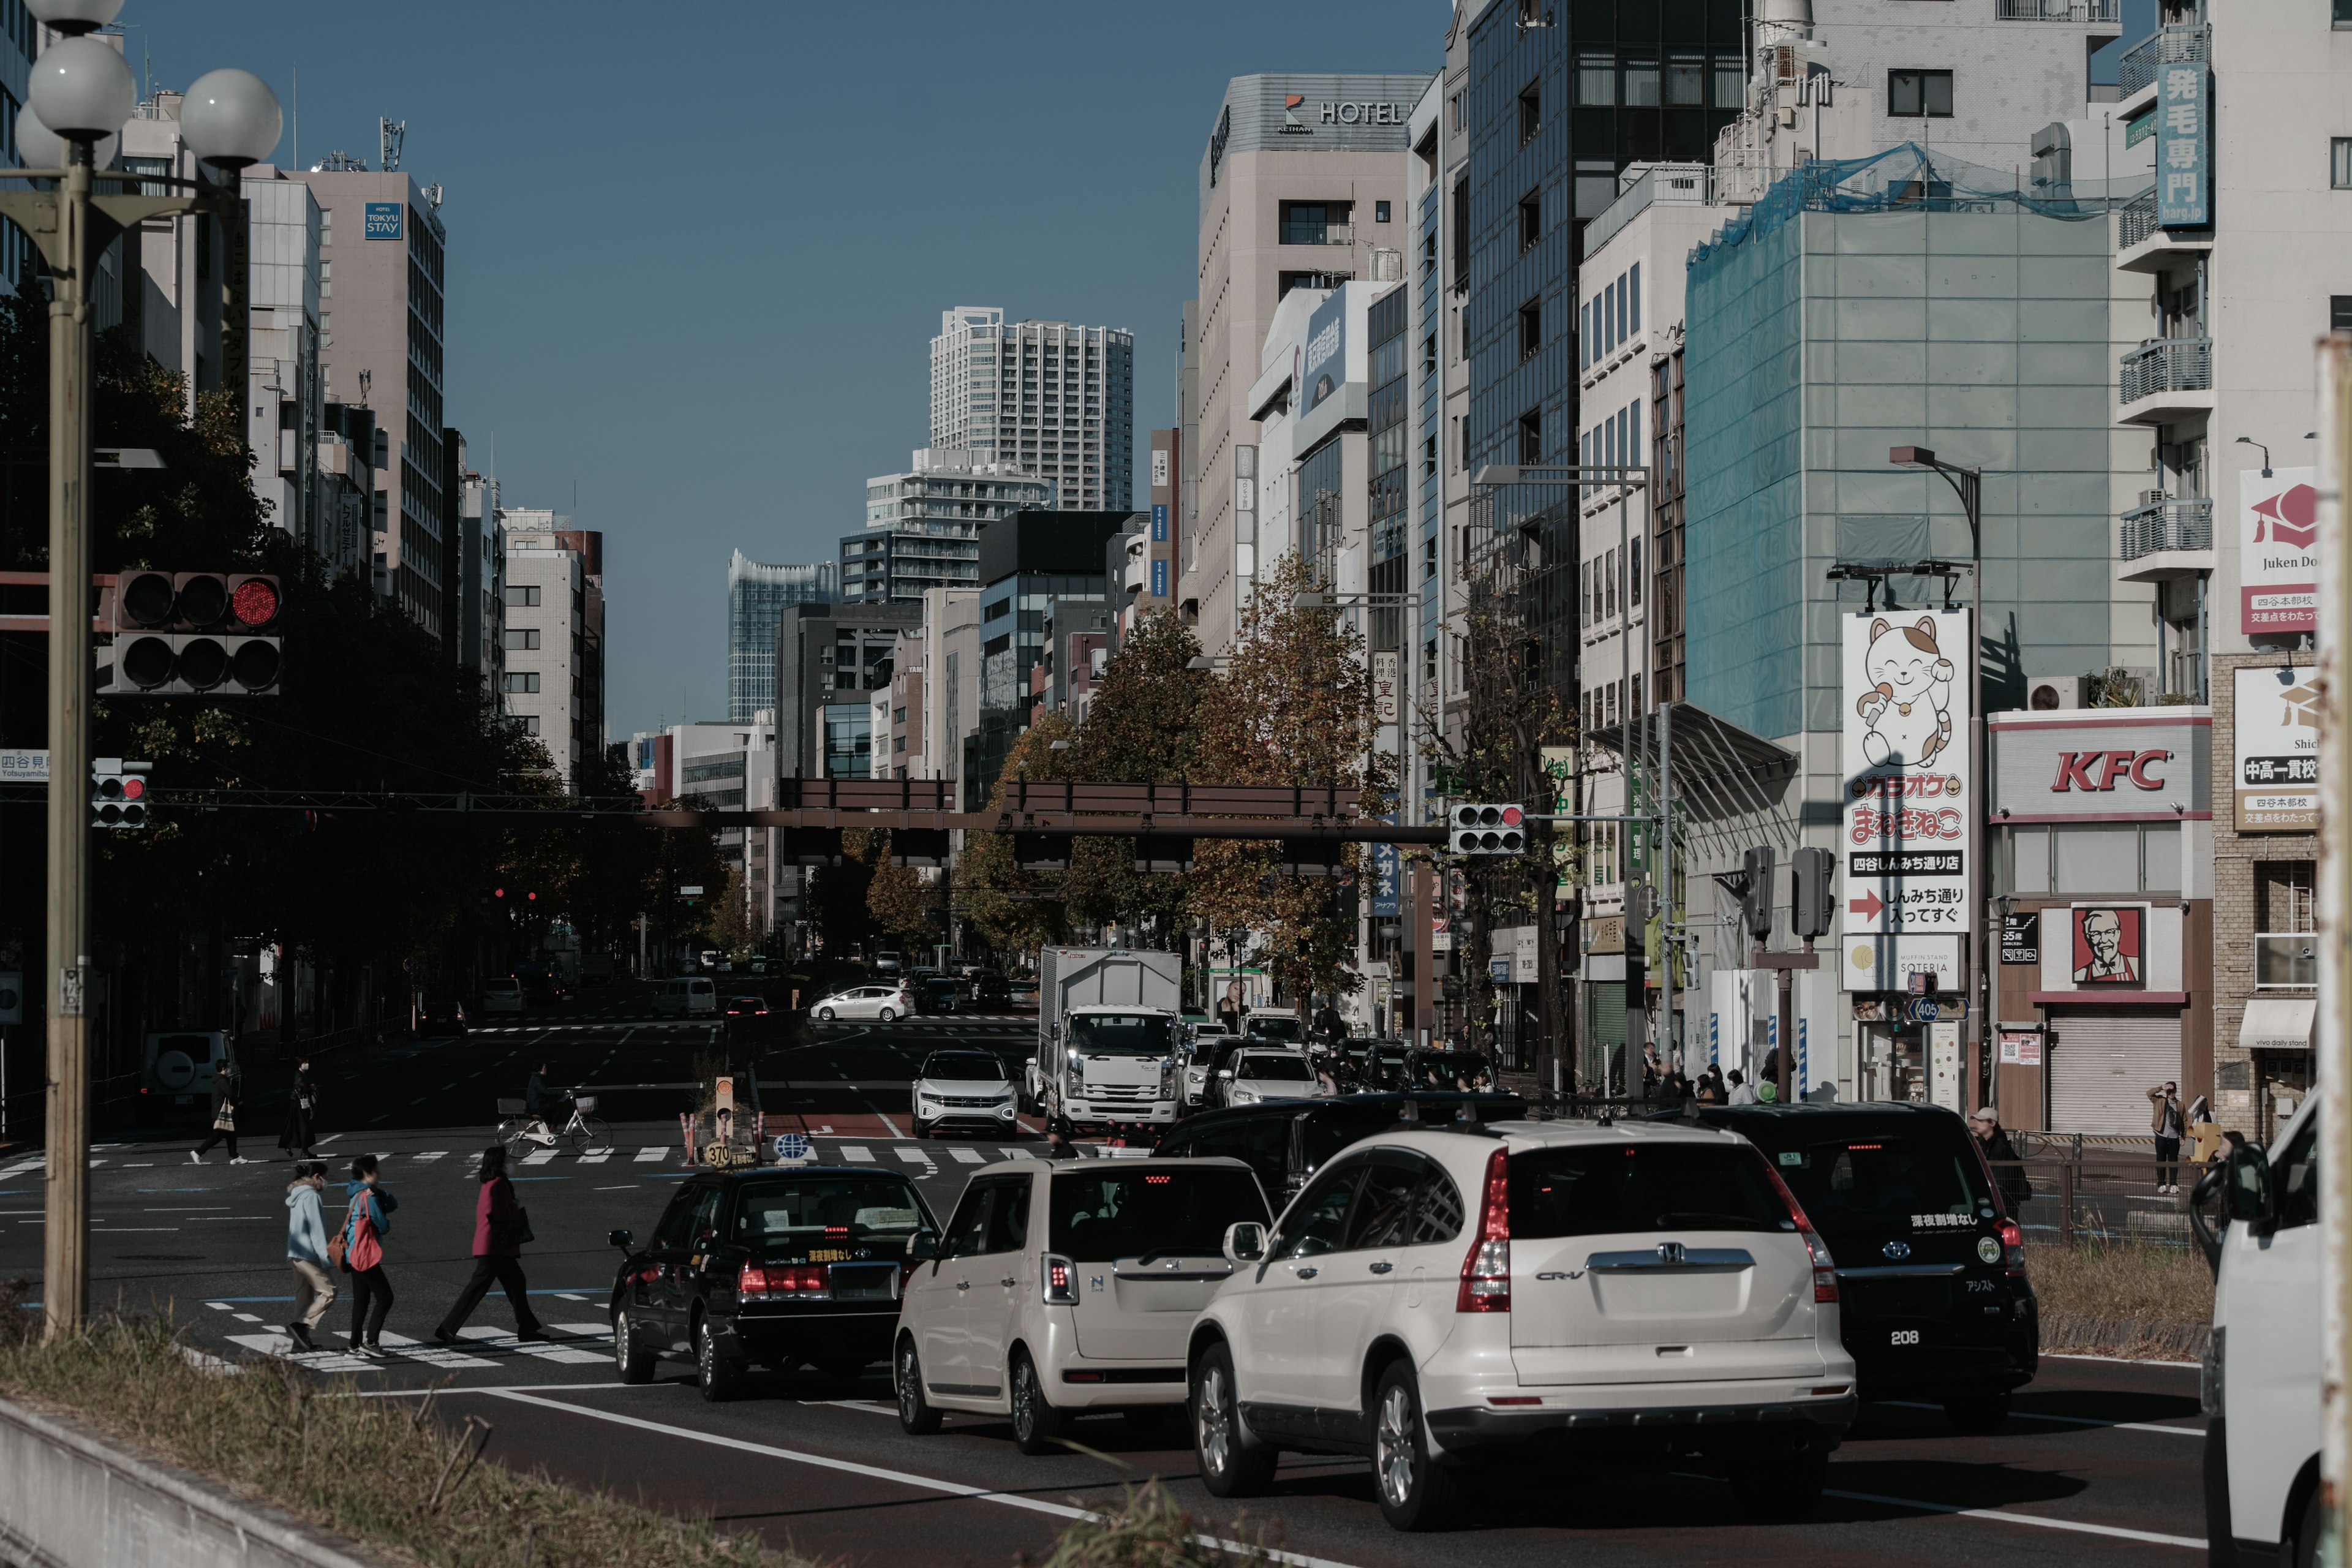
(1227, 1073)
(922, 1247)
(2246, 1193)
(620, 1238)
(1244, 1242)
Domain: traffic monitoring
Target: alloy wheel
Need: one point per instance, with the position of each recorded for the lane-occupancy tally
(1394, 1446)
(1214, 1422)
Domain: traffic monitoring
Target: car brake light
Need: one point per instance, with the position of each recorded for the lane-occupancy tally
(753, 1282)
(1825, 1285)
(1486, 1269)
(2013, 1244)
(779, 1282)
(1061, 1279)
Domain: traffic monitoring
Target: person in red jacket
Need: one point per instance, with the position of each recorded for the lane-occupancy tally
(500, 1227)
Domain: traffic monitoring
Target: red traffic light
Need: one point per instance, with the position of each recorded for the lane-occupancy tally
(1510, 817)
(532, 897)
(253, 601)
(134, 787)
(498, 893)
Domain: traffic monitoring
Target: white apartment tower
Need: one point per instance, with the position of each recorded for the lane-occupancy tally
(1047, 397)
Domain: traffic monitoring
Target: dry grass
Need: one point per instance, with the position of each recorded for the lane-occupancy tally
(1147, 1530)
(2108, 1279)
(367, 1469)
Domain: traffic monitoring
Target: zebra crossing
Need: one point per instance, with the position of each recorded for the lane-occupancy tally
(580, 1344)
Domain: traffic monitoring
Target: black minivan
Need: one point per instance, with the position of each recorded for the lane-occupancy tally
(1932, 1298)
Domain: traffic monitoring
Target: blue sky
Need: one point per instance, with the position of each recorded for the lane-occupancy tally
(695, 272)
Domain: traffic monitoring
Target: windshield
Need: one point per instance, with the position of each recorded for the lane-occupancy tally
(1604, 1189)
(1286, 1067)
(1274, 1027)
(1882, 1181)
(1139, 1214)
(966, 1066)
(1124, 1034)
(841, 1210)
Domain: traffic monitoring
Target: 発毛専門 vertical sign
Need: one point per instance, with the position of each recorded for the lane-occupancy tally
(1903, 823)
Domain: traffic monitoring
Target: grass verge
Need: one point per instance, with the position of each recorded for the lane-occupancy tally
(381, 1473)
(2121, 1296)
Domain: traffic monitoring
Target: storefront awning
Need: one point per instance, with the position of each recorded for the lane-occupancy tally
(2278, 1024)
(1720, 770)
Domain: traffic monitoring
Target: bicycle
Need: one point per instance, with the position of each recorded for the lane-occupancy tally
(521, 1132)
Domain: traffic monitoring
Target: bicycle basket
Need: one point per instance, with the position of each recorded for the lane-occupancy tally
(509, 1107)
(586, 1103)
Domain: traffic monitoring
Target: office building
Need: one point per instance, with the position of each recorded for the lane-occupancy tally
(1054, 399)
(173, 284)
(352, 452)
(481, 573)
(934, 688)
(286, 410)
(381, 246)
(757, 597)
(830, 660)
(922, 526)
(553, 680)
(726, 767)
(1033, 565)
(1302, 184)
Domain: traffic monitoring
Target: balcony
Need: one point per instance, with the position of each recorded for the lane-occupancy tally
(2142, 246)
(2165, 537)
(2166, 46)
(2061, 10)
(2165, 380)
(1301, 232)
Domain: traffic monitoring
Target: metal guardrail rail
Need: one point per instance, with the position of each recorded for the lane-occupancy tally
(2186, 523)
(2167, 365)
(2166, 45)
(2061, 10)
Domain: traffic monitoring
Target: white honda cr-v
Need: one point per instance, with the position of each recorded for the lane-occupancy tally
(1434, 1300)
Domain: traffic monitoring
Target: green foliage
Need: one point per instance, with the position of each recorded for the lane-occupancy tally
(1016, 910)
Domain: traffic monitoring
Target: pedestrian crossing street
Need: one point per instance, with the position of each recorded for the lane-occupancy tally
(575, 1023)
(577, 1344)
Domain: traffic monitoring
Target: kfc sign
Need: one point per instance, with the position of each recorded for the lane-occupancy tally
(2101, 770)
(2088, 763)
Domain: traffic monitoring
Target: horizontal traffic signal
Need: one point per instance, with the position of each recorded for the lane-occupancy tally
(188, 633)
(1486, 830)
(235, 602)
(117, 793)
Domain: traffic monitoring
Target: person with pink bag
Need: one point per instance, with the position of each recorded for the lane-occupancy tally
(361, 1245)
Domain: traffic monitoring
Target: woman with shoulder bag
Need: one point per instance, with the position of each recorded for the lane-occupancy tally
(500, 1227)
(302, 1106)
(228, 1092)
(361, 1245)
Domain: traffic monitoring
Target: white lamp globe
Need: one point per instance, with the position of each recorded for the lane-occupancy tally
(231, 118)
(38, 147)
(74, 17)
(82, 89)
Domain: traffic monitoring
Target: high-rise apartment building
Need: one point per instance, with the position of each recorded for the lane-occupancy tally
(381, 249)
(553, 680)
(757, 597)
(286, 412)
(1055, 399)
(922, 526)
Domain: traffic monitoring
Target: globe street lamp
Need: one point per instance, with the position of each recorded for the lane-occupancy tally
(81, 93)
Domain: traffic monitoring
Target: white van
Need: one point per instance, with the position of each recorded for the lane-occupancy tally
(502, 993)
(687, 997)
(2260, 1388)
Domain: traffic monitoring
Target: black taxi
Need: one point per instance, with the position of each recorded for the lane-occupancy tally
(772, 1267)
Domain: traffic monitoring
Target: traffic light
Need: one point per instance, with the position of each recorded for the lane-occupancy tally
(117, 793)
(1812, 906)
(1756, 898)
(1487, 830)
(189, 632)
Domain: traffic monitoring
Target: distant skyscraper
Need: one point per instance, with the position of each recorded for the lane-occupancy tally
(922, 525)
(756, 594)
(1053, 399)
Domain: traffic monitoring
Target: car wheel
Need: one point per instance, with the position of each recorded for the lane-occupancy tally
(2308, 1532)
(1781, 1486)
(631, 1359)
(825, 1015)
(1036, 1425)
(917, 1415)
(1232, 1463)
(1415, 1492)
(887, 1015)
(719, 1376)
(1976, 1414)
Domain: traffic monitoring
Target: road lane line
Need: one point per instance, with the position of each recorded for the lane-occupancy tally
(2068, 1420)
(2193, 1542)
(952, 1488)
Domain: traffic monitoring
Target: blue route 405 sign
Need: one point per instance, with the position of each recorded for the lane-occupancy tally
(383, 219)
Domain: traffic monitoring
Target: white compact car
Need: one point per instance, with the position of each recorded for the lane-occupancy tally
(1256, 1075)
(885, 1002)
(967, 1090)
(1436, 1300)
(1064, 1287)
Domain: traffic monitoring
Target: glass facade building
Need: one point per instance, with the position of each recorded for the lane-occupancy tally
(757, 597)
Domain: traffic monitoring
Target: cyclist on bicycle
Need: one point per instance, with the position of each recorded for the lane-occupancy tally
(536, 1099)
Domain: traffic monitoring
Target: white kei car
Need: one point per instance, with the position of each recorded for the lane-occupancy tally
(1065, 1287)
(885, 1002)
(1258, 1074)
(1528, 1291)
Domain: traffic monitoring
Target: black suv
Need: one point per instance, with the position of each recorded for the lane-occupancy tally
(776, 1266)
(1933, 1297)
(1284, 1140)
(990, 990)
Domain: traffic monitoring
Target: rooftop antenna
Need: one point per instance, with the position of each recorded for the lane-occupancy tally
(389, 135)
(298, 114)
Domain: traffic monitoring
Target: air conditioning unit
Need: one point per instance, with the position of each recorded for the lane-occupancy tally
(2047, 693)
(1388, 266)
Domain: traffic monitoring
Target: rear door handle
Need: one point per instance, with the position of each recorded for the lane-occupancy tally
(963, 1284)
(1382, 1267)
(1008, 1281)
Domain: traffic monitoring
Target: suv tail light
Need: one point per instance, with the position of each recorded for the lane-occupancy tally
(1486, 1270)
(1061, 1279)
(2013, 1246)
(1825, 1285)
(783, 1282)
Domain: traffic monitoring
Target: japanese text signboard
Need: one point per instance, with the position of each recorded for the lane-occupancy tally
(2184, 153)
(2278, 564)
(1902, 827)
(2278, 741)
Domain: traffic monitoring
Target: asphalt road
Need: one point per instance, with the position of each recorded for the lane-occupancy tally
(2101, 1459)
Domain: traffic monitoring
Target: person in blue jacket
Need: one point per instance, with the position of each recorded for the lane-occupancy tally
(306, 1251)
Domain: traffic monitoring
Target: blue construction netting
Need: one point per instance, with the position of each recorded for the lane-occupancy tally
(1910, 178)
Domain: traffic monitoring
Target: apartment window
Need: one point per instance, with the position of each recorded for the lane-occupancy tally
(1429, 457)
(1596, 78)
(2339, 312)
(1530, 218)
(1730, 82)
(1310, 223)
(1460, 231)
(1286, 281)
(522, 681)
(1429, 353)
(529, 722)
(1532, 328)
(1916, 95)
(1531, 437)
(521, 598)
(1641, 81)
(1380, 212)
(2343, 13)
(2339, 152)
(1530, 113)
(524, 639)
(1633, 577)
(1686, 78)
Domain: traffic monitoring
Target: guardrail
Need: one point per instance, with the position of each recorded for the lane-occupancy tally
(2167, 365)
(2185, 523)
(2061, 10)
(2166, 45)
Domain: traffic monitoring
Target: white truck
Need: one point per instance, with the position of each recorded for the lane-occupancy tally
(1111, 1035)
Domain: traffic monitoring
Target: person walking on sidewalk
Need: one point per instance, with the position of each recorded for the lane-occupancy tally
(229, 1093)
(301, 1102)
(364, 1228)
(306, 1252)
(2007, 1173)
(2165, 1098)
(500, 1227)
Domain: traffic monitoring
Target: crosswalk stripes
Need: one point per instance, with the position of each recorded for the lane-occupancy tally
(965, 1156)
(500, 1340)
(857, 1153)
(595, 1156)
(539, 1157)
(914, 1155)
(428, 1156)
(652, 1152)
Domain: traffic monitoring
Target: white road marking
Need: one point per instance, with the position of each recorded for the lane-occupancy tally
(539, 1158)
(278, 1345)
(916, 1156)
(2118, 1360)
(431, 1356)
(964, 1156)
(596, 1157)
(2081, 1527)
(328, 1138)
(653, 1153)
(857, 1153)
(2066, 1420)
(429, 1154)
(1017, 1154)
(499, 1339)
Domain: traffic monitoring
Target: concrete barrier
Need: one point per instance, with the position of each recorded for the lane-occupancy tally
(71, 1499)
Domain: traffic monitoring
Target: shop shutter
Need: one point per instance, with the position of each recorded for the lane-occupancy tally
(2103, 1064)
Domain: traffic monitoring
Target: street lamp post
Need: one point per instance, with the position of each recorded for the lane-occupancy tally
(81, 93)
(1968, 485)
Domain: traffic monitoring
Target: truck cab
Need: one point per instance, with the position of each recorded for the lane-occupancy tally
(2262, 1383)
(1111, 1034)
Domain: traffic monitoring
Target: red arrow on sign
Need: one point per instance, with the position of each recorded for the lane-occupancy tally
(1867, 906)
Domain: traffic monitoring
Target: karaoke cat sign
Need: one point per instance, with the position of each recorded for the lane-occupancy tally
(1903, 819)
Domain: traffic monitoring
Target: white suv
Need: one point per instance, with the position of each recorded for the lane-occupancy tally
(1257, 1074)
(1060, 1287)
(1441, 1299)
